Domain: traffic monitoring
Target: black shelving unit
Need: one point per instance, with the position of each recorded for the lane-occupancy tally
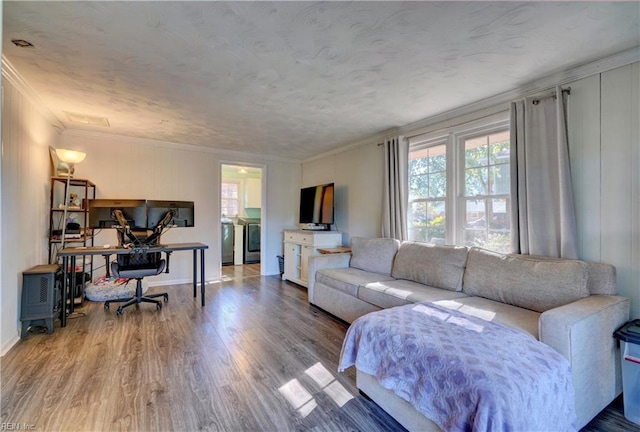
(83, 191)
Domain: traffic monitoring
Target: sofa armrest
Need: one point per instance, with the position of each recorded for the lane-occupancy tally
(582, 331)
(583, 322)
(319, 262)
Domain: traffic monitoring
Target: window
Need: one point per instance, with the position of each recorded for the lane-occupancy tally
(428, 193)
(229, 202)
(485, 199)
(459, 186)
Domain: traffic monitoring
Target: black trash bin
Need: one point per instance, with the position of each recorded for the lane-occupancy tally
(281, 264)
(629, 336)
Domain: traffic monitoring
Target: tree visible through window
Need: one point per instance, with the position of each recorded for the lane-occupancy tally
(486, 199)
(459, 187)
(427, 194)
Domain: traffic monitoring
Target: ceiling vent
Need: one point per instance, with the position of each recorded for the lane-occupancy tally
(87, 119)
(21, 43)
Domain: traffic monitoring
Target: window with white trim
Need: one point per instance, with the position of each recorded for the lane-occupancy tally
(230, 199)
(459, 186)
(485, 199)
(428, 193)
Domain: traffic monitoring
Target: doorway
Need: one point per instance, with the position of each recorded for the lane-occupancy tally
(241, 218)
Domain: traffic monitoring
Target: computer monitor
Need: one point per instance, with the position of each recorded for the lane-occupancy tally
(101, 212)
(140, 214)
(184, 212)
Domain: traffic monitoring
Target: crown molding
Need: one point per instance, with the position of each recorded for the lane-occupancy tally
(497, 103)
(589, 69)
(371, 139)
(446, 119)
(493, 105)
(258, 157)
(11, 74)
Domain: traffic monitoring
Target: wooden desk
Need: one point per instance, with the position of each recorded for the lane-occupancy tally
(66, 253)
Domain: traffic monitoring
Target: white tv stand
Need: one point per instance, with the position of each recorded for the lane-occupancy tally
(299, 245)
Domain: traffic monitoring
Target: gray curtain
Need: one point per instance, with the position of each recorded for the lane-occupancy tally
(543, 219)
(394, 207)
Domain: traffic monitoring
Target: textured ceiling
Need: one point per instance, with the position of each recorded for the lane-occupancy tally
(294, 79)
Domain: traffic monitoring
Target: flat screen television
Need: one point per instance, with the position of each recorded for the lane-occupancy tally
(316, 205)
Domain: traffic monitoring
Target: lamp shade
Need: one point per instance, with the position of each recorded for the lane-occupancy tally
(70, 157)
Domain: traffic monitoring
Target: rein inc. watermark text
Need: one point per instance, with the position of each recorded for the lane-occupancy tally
(7, 426)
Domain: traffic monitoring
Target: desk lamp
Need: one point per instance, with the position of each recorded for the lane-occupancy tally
(69, 158)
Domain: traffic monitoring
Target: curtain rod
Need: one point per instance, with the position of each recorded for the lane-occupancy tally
(553, 95)
(535, 102)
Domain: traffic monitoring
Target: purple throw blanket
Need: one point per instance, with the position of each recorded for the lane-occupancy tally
(462, 372)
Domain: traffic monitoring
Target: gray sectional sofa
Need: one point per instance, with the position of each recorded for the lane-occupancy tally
(568, 304)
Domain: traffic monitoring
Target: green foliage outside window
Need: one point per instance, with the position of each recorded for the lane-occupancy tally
(486, 180)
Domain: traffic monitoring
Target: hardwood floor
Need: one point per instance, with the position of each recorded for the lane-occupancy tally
(240, 271)
(256, 357)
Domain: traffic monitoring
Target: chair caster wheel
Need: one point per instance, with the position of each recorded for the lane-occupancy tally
(119, 311)
(166, 297)
(158, 306)
(106, 305)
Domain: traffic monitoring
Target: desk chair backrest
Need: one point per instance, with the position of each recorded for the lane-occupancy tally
(138, 265)
(143, 237)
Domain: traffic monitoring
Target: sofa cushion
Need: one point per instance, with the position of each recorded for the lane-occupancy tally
(373, 255)
(348, 280)
(518, 318)
(533, 283)
(602, 278)
(434, 265)
(386, 294)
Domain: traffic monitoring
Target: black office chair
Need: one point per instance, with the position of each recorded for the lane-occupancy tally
(138, 265)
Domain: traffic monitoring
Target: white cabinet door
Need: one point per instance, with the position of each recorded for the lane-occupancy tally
(306, 252)
(291, 261)
(253, 193)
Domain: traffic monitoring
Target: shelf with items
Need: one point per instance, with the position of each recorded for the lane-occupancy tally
(71, 205)
(81, 237)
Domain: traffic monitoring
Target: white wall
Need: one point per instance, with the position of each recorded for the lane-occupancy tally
(124, 167)
(605, 158)
(26, 170)
(604, 129)
(357, 174)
